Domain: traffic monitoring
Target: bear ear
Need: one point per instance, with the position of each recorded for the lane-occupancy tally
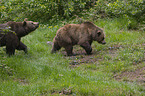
(99, 33)
(24, 23)
(25, 19)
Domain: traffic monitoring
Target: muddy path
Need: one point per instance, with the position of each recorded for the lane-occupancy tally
(137, 75)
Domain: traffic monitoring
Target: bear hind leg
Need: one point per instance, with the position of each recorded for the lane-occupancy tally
(10, 50)
(10, 47)
(69, 50)
(22, 47)
(12, 42)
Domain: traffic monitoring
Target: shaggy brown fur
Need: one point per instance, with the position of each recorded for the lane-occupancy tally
(77, 34)
(11, 38)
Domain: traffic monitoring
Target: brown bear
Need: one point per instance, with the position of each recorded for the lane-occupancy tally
(77, 34)
(13, 40)
(12, 36)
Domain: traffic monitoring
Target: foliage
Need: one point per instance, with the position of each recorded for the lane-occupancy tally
(50, 11)
(41, 10)
(4, 29)
(133, 10)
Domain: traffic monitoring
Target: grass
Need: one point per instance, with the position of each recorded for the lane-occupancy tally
(41, 73)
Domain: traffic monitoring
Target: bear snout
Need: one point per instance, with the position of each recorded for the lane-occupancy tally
(37, 24)
(103, 42)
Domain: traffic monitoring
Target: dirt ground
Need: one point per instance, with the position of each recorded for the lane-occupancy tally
(138, 76)
(80, 57)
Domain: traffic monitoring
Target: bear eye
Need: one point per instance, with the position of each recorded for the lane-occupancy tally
(102, 38)
(99, 33)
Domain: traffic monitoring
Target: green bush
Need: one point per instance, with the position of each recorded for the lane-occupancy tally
(41, 10)
(51, 11)
(134, 10)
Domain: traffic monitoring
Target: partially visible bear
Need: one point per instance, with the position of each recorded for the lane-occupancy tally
(12, 36)
(77, 34)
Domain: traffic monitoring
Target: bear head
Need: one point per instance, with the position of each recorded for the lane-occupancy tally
(98, 35)
(30, 25)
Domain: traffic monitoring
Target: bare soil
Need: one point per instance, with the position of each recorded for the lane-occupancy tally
(138, 76)
(80, 57)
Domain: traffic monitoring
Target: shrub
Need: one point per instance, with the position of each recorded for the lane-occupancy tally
(134, 10)
(41, 10)
(51, 11)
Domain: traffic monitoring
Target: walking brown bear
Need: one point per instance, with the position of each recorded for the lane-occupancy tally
(77, 34)
(11, 38)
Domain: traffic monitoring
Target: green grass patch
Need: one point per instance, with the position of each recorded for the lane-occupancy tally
(41, 73)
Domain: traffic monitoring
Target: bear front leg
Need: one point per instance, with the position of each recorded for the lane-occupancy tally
(10, 50)
(87, 47)
(11, 46)
(12, 42)
(68, 50)
(55, 47)
(22, 47)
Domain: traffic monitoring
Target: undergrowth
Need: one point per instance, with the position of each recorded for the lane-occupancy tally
(41, 73)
